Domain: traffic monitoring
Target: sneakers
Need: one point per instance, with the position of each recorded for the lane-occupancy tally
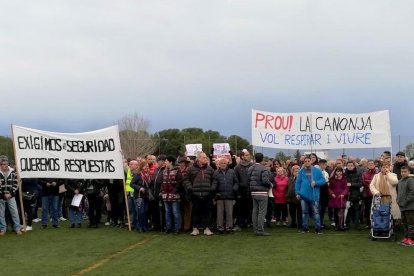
(36, 220)
(62, 219)
(285, 223)
(318, 232)
(305, 230)
(18, 232)
(237, 228)
(2, 233)
(107, 223)
(208, 232)
(29, 228)
(195, 232)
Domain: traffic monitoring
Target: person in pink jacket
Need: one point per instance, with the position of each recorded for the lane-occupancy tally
(338, 189)
(279, 194)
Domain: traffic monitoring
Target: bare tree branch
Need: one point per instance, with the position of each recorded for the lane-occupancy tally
(135, 139)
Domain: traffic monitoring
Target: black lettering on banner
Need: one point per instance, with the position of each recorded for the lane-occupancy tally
(106, 145)
(39, 143)
(89, 166)
(39, 164)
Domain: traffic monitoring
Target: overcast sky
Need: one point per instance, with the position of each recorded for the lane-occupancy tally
(78, 65)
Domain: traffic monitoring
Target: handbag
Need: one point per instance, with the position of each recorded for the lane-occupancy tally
(28, 195)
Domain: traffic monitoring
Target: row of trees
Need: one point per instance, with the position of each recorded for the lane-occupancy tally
(137, 141)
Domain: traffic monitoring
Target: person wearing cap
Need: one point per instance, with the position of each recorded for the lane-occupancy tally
(170, 196)
(400, 161)
(184, 163)
(8, 188)
(156, 210)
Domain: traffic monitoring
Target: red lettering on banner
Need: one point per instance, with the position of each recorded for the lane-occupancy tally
(259, 117)
(275, 122)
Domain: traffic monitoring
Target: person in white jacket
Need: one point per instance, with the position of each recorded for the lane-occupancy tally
(385, 183)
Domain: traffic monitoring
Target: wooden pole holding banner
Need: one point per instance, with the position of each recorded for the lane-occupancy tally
(19, 183)
(127, 207)
(125, 195)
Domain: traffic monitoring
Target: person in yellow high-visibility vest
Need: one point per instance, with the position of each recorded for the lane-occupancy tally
(130, 172)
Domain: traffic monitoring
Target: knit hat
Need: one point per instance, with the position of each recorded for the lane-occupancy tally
(400, 153)
(171, 159)
(183, 159)
(161, 157)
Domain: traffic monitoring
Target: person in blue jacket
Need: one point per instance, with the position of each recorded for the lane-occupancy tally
(307, 186)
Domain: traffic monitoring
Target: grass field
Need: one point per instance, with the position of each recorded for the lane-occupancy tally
(119, 252)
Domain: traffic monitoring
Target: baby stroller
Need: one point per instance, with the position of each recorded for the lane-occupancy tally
(381, 219)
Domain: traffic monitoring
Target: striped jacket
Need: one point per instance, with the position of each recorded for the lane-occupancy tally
(8, 183)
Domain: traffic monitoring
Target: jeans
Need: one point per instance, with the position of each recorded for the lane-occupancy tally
(259, 212)
(50, 207)
(132, 211)
(172, 209)
(141, 207)
(11, 203)
(310, 206)
(75, 215)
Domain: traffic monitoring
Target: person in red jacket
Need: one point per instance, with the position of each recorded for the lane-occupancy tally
(338, 189)
(367, 195)
(279, 194)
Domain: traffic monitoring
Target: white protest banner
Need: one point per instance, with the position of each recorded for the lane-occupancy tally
(221, 148)
(88, 155)
(193, 149)
(314, 130)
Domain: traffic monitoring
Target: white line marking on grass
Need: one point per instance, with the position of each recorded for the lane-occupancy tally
(111, 257)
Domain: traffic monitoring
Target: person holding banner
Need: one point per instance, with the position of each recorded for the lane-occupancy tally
(307, 186)
(8, 188)
(130, 173)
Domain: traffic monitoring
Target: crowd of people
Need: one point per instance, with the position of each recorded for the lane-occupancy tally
(222, 195)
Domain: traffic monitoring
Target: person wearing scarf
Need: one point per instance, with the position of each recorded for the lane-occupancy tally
(384, 184)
